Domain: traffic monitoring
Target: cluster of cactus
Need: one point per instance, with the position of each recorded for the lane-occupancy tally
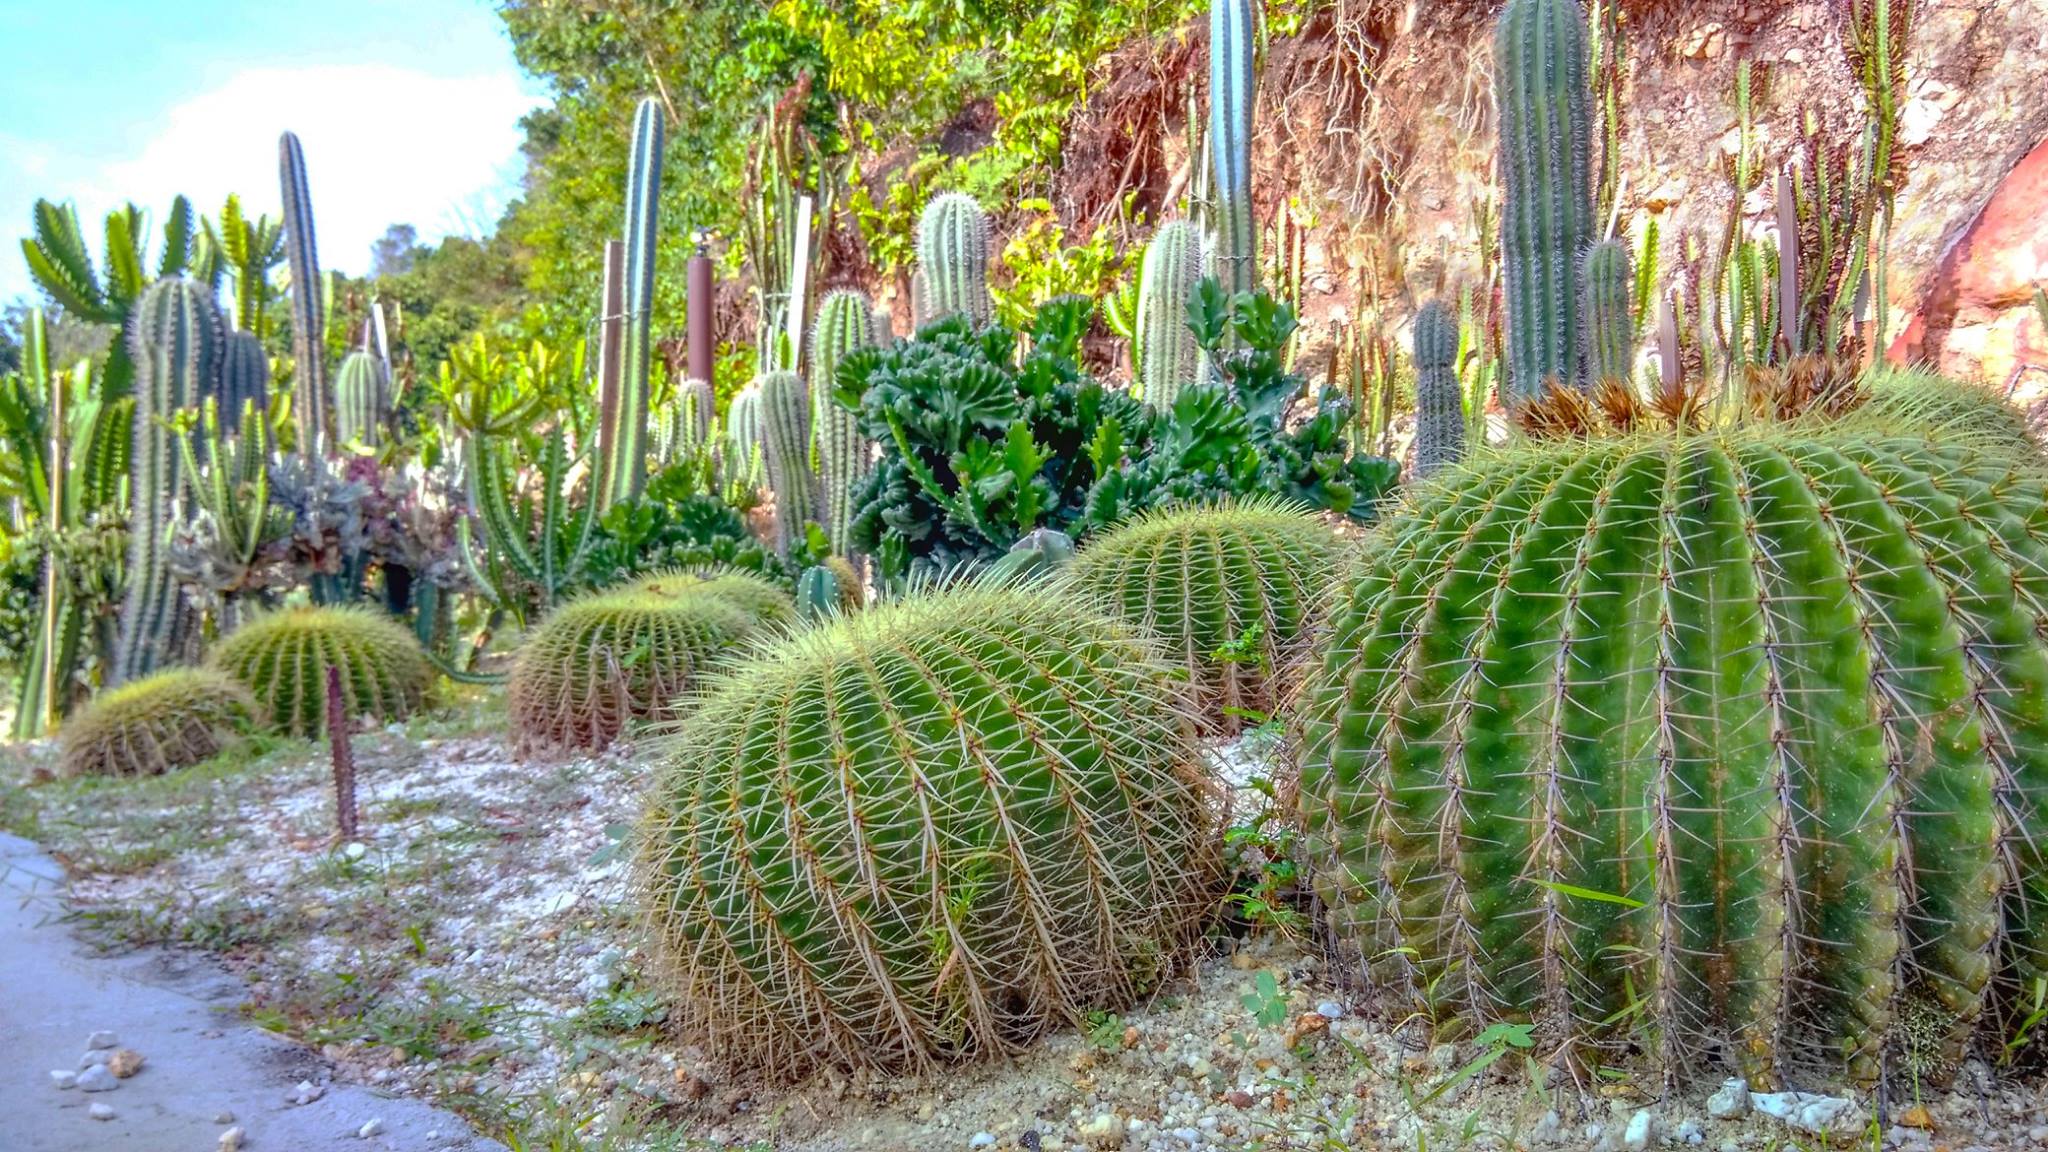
(1439, 394)
(311, 401)
(952, 260)
(785, 408)
(362, 400)
(1738, 737)
(282, 657)
(845, 324)
(544, 547)
(168, 720)
(927, 831)
(1169, 357)
(230, 491)
(621, 467)
(1231, 591)
(1233, 94)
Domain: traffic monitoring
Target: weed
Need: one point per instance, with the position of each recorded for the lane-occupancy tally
(1106, 1030)
(1266, 1003)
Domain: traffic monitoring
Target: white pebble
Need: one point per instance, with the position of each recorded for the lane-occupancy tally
(94, 1059)
(100, 1112)
(370, 1128)
(1805, 1110)
(103, 1040)
(982, 1140)
(1731, 1102)
(1641, 1133)
(231, 1140)
(1330, 1010)
(98, 1078)
(1188, 1136)
(1688, 1132)
(63, 1079)
(223, 1117)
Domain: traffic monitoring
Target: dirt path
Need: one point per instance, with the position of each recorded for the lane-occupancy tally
(205, 1070)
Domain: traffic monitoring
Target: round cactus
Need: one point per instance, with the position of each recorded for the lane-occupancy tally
(283, 658)
(927, 831)
(1232, 591)
(172, 719)
(763, 600)
(1740, 739)
(612, 659)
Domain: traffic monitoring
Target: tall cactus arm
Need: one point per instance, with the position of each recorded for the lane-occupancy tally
(1233, 90)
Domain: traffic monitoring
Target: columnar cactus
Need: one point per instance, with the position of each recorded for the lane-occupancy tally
(1231, 590)
(742, 447)
(1735, 740)
(174, 338)
(695, 405)
(1546, 166)
(1609, 317)
(1233, 92)
(283, 658)
(952, 260)
(1169, 358)
(311, 401)
(786, 449)
(927, 832)
(362, 400)
(171, 719)
(846, 323)
(1439, 396)
(817, 593)
(622, 439)
(244, 377)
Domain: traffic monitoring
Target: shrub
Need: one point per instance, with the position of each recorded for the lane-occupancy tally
(283, 658)
(171, 719)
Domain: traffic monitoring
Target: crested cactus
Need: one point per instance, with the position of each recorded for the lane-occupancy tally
(362, 401)
(604, 662)
(169, 720)
(1168, 355)
(1233, 92)
(175, 339)
(622, 436)
(764, 601)
(952, 260)
(312, 402)
(1610, 323)
(283, 658)
(1546, 166)
(1439, 396)
(927, 832)
(1736, 741)
(244, 377)
(786, 450)
(1230, 590)
(845, 324)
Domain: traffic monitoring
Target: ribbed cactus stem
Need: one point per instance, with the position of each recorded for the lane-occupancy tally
(175, 339)
(1439, 396)
(845, 324)
(244, 378)
(361, 401)
(742, 447)
(311, 401)
(1233, 92)
(952, 257)
(1609, 281)
(622, 439)
(1546, 166)
(817, 593)
(695, 404)
(1169, 358)
(786, 450)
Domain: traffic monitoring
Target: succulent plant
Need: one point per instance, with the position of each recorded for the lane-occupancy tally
(1736, 740)
(786, 449)
(1233, 92)
(845, 324)
(168, 720)
(764, 602)
(312, 400)
(604, 662)
(283, 658)
(1608, 279)
(1230, 590)
(1439, 396)
(695, 404)
(622, 434)
(817, 593)
(952, 260)
(927, 832)
(742, 447)
(1169, 357)
(362, 400)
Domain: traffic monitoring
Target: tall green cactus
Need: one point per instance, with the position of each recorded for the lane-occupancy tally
(952, 259)
(312, 403)
(846, 323)
(1439, 394)
(544, 546)
(622, 438)
(694, 407)
(786, 449)
(1610, 322)
(1169, 357)
(1233, 93)
(1546, 166)
(742, 446)
(1736, 742)
(231, 488)
(362, 401)
(175, 338)
(244, 377)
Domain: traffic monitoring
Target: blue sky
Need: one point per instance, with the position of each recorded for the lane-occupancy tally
(408, 111)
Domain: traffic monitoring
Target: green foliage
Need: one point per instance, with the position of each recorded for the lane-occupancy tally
(674, 524)
(1266, 1003)
(62, 266)
(244, 251)
(282, 657)
(1040, 265)
(537, 547)
(1439, 394)
(172, 719)
(1712, 736)
(906, 836)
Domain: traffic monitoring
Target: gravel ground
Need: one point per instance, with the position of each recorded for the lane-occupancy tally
(478, 947)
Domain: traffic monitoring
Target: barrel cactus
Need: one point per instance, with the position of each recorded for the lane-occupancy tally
(1739, 739)
(172, 719)
(763, 601)
(283, 658)
(1231, 590)
(927, 832)
(609, 660)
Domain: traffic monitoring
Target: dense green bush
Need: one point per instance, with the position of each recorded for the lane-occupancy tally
(677, 522)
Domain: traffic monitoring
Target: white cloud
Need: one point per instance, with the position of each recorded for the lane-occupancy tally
(383, 146)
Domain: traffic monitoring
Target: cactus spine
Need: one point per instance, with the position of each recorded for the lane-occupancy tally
(786, 449)
(311, 401)
(846, 323)
(1233, 92)
(175, 339)
(361, 400)
(1610, 321)
(622, 439)
(952, 258)
(1169, 358)
(1439, 397)
(1547, 215)
(244, 378)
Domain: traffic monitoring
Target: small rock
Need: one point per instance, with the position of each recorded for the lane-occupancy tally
(223, 1117)
(100, 1112)
(1688, 1132)
(2038, 1133)
(982, 1140)
(1188, 1136)
(370, 1128)
(1731, 1102)
(1549, 1130)
(1240, 1099)
(125, 1062)
(103, 1040)
(1330, 1010)
(94, 1059)
(61, 1079)
(1806, 1111)
(305, 1093)
(97, 1079)
(1917, 1117)
(1642, 1131)
(231, 1140)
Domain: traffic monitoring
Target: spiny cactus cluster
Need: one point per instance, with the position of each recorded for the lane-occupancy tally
(927, 831)
(1231, 591)
(952, 260)
(172, 719)
(1439, 396)
(283, 657)
(845, 324)
(1168, 355)
(1733, 741)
